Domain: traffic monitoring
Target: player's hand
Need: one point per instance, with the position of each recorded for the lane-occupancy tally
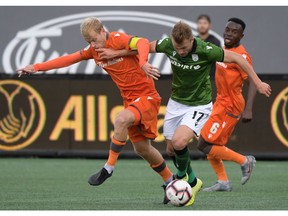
(264, 88)
(29, 69)
(106, 53)
(247, 116)
(151, 71)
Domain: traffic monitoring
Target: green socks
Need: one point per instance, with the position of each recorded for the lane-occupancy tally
(183, 164)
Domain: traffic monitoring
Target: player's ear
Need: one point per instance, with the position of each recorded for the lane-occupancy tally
(242, 36)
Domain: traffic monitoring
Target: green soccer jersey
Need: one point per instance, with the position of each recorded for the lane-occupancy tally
(191, 74)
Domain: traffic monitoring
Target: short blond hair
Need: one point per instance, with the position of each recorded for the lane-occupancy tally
(90, 23)
(181, 31)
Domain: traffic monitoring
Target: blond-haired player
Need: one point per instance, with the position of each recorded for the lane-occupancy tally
(133, 75)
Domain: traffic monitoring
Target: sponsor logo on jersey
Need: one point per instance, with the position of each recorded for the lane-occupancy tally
(22, 116)
(183, 66)
(48, 39)
(110, 62)
(197, 67)
(195, 57)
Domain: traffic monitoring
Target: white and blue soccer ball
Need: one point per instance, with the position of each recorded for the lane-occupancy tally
(179, 192)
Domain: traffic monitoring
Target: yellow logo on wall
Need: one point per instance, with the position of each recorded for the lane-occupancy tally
(279, 116)
(22, 115)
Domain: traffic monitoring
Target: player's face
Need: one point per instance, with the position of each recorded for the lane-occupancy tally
(233, 34)
(203, 26)
(96, 40)
(184, 48)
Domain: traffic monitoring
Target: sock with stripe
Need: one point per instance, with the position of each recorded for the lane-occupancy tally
(116, 147)
(163, 170)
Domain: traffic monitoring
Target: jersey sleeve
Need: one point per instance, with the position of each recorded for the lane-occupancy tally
(120, 41)
(62, 61)
(161, 45)
(86, 53)
(213, 52)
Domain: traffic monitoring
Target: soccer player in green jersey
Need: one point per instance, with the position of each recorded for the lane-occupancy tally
(190, 103)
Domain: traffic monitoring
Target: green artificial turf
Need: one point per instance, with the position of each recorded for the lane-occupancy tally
(61, 184)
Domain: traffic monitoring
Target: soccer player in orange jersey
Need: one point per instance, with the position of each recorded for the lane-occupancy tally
(133, 75)
(227, 110)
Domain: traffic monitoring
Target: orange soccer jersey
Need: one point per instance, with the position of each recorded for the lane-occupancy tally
(229, 103)
(124, 71)
(138, 91)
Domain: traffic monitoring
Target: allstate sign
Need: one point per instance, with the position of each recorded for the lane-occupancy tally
(52, 38)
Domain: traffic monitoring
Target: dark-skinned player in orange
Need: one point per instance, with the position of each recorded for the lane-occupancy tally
(227, 110)
(134, 77)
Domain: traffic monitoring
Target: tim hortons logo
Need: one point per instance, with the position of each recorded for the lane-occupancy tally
(22, 116)
(53, 38)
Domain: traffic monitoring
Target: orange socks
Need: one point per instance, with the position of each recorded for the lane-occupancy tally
(218, 167)
(163, 171)
(115, 149)
(227, 154)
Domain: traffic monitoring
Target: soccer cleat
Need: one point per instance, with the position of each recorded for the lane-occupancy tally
(99, 177)
(219, 186)
(185, 178)
(166, 200)
(247, 168)
(195, 190)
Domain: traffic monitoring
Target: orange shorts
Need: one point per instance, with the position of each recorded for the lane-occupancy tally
(145, 110)
(219, 126)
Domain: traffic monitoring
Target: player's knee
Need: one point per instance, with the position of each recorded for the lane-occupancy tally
(179, 143)
(203, 145)
(122, 121)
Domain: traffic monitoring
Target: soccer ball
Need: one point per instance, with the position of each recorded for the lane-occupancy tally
(179, 192)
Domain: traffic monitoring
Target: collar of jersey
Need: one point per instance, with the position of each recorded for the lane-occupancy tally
(194, 46)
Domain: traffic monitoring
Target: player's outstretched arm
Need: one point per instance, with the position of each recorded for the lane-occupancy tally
(59, 62)
(232, 57)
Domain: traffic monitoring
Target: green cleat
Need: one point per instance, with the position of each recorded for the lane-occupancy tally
(185, 178)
